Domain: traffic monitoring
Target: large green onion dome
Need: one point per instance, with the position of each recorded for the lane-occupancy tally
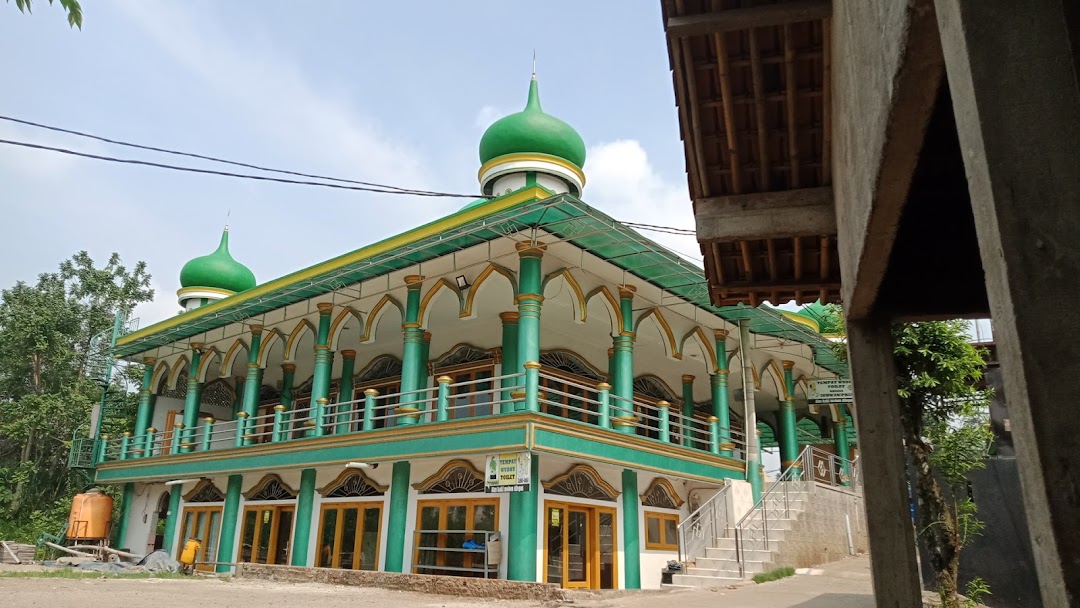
(531, 131)
(217, 271)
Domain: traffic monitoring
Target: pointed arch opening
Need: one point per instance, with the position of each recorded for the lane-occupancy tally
(337, 327)
(492, 277)
(303, 327)
(438, 291)
(375, 317)
(655, 317)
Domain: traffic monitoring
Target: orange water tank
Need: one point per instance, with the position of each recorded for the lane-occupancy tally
(91, 512)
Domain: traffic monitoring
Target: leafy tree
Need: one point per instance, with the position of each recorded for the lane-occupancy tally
(45, 395)
(74, 11)
(947, 435)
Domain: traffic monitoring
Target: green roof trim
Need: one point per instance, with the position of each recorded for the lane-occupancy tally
(563, 215)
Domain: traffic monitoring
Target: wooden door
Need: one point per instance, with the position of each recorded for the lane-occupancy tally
(204, 524)
(349, 535)
(267, 534)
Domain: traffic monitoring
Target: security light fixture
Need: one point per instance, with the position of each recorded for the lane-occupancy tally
(362, 465)
(180, 482)
(462, 282)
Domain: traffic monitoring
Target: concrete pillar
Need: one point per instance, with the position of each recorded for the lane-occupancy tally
(305, 503)
(1012, 71)
(253, 382)
(888, 512)
(687, 427)
(411, 353)
(788, 439)
(145, 413)
(529, 300)
(172, 518)
(510, 363)
(631, 504)
(753, 451)
(324, 368)
(720, 395)
(230, 514)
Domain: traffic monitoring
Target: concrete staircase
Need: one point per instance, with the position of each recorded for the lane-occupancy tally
(719, 566)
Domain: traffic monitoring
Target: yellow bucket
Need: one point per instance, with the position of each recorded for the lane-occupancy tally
(190, 552)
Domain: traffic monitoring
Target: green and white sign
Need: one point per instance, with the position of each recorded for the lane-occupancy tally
(508, 473)
(829, 391)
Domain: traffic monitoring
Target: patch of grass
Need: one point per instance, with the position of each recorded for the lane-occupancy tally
(773, 575)
(72, 573)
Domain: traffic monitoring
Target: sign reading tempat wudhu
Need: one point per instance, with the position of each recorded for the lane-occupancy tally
(831, 390)
(508, 473)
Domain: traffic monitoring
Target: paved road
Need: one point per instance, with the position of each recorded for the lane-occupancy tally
(844, 584)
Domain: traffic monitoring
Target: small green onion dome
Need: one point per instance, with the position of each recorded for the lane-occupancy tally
(218, 270)
(532, 131)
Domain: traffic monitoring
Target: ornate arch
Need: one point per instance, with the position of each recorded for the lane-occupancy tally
(375, 315)
(673, 350)
(301, 328)
(581, 481)
(180, 368)
(270, 338)
(218, 392)
(439, 285)
(351, 483)
(612, 304)
(455, 477)
(661, 495)
(208, 357)
(706, 347)
(571, 363)
(161, 372)
(383, 366)
(179, 391)
(270, 487)
(777, 375)
(575, 288)
(229, 358)
(653, 386)
(338, 324)
(492, 269)
(205, 491)
(461, 354)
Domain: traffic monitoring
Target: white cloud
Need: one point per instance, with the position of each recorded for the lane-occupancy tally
(254, 82)
(488, 115)
(623, 184)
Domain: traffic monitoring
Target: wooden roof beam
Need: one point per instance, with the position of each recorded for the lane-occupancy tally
(746, 18)
(766, 215)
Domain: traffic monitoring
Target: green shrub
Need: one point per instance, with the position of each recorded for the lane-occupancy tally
(773, 575)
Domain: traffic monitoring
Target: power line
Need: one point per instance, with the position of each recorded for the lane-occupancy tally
(223, 160)
(656, 228)
(265, 178)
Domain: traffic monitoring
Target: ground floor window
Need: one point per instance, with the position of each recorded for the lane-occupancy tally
(579, 546)
(349, 535)
(450, 536)
(266, 534)
(661, 531)
(203, 524)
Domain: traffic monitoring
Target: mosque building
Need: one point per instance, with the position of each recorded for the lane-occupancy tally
(525, 389)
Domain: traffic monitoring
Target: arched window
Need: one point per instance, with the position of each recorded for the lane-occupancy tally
(455, 477)
(205, 491)
(352, 484)
(581, 481)
(661, 495)
(270, 488)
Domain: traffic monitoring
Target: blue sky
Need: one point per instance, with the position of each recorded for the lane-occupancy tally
(388, 92)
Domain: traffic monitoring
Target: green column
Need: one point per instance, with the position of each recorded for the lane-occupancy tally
(345, 392)
(238, 396)
(170, 520)
(191, 399)
(623, 354)
(529, 300)
(631, 506)
(229, 516)
(521, 546)
(324, 365)
(788, 440)
(302, 525)
(840, 440)
(510, 363)
(425, 354)
(395, 526)
(125, 514)
(412, 352)
(146, 405)
(253, 383)
(687, 428)
(288, 376)
(719, 385)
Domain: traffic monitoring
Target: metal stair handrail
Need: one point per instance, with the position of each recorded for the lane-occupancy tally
(752, 530)
(702, 527)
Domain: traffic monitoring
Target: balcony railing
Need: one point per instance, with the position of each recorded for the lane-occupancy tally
(446, 401)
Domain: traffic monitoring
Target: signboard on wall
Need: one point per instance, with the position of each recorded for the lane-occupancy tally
(827, 391)
(510, 472)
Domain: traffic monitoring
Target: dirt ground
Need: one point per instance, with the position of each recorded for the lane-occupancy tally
(842, 585)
